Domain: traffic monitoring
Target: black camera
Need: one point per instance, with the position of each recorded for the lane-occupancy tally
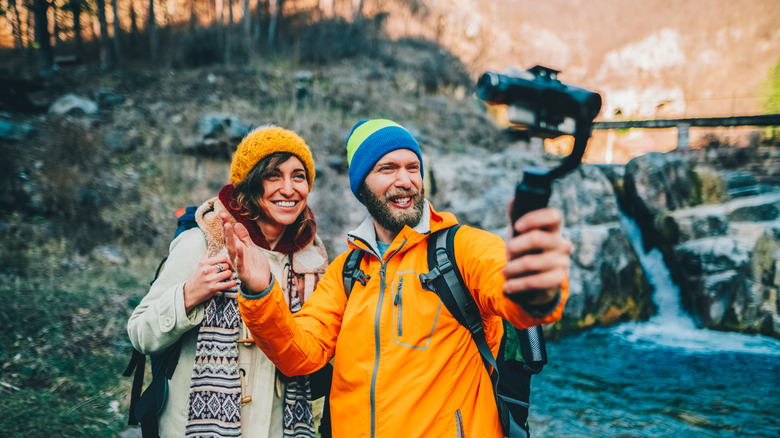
(537, 101)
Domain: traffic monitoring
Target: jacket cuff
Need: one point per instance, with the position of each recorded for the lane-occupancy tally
(252, 295)
(542, 310)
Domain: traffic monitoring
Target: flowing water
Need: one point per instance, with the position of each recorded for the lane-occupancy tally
(660, 378)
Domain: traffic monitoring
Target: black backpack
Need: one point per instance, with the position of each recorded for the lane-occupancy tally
(146, 406)
(522, 353)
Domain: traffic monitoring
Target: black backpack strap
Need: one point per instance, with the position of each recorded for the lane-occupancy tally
(352, 271)
(135, 368)
(445, 279)
(146, 410)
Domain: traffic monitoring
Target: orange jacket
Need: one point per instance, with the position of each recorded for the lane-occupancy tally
(403, 366)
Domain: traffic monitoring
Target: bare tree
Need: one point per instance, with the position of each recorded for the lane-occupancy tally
(56, 21)
(40, 9)
(16, 24)
(247, 24)
(106, 50)
(257, 30)
(117, 31)
(192, 15)
(229, 35)
(276, 7)
(75, 7)
(357, 7)
(133, 27)
(28, 57)
(154, 39)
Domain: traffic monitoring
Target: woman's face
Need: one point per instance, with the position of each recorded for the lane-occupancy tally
(284, 193)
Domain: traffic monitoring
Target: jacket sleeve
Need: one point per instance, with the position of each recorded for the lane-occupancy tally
(481, 257)
(301, 343)
(159, 320)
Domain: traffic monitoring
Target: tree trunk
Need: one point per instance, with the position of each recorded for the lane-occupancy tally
(154, 39)
(257, 29)
(357, 5)
(133, 27)
(276, 7)
(220, 5)
(106, 51)
(117, 31)
(247, 22)
(75, 10)
(56, 29)
(229, 37)
(42, 36)
(193, 17)
(17, 27)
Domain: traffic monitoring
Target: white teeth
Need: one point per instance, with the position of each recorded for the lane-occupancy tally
(403, 201)
(285, 203)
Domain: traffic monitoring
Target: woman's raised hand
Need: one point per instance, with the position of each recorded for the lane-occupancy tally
(247, 259)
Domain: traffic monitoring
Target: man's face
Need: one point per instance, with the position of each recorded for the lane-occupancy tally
(393, 191)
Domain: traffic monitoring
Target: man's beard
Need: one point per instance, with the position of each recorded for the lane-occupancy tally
(380, 210)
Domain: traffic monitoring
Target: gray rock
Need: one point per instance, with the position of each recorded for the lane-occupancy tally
(72, 104)
(218, 135)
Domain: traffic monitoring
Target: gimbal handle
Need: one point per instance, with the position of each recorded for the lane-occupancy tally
(533, 191)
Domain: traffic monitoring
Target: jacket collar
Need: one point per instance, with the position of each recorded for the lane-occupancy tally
(364, 236)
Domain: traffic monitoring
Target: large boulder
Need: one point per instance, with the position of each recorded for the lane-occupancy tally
(655, 183)
(218, 134)
(606, 281)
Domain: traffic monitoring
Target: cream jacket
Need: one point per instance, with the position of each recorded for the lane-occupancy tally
(160, 320)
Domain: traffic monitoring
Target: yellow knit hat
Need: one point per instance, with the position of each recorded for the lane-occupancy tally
(265, 141)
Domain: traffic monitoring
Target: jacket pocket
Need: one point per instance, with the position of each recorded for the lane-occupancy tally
(415, 311)
(459, 424)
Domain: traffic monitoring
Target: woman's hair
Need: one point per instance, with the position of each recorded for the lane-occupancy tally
(249, 191)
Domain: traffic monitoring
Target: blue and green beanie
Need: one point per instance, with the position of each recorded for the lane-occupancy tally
(369, 141)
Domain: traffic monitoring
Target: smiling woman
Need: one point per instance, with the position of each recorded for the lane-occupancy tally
(194, 299)
(274, 193)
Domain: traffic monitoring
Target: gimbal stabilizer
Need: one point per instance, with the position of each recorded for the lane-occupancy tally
(538, 102)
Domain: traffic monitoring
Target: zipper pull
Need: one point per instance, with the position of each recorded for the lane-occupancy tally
(397, 298)
(399, 302)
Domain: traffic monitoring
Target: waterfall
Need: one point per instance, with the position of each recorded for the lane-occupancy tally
(671, 327)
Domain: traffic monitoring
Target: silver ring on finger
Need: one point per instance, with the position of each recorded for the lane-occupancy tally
(219, 266)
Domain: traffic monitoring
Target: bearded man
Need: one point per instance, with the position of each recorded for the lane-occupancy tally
(403, 366)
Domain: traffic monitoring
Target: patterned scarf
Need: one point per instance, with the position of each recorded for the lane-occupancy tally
(215, 390)
(297, 416)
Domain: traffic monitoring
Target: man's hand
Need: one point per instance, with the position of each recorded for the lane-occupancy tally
(537, 258)
(248, 260)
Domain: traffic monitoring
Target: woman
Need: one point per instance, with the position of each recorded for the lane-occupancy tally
(223, 384)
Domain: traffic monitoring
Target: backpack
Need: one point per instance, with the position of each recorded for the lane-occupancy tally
(146, 406)
(522, 352)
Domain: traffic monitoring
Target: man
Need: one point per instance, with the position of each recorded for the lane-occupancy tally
(403, 366)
